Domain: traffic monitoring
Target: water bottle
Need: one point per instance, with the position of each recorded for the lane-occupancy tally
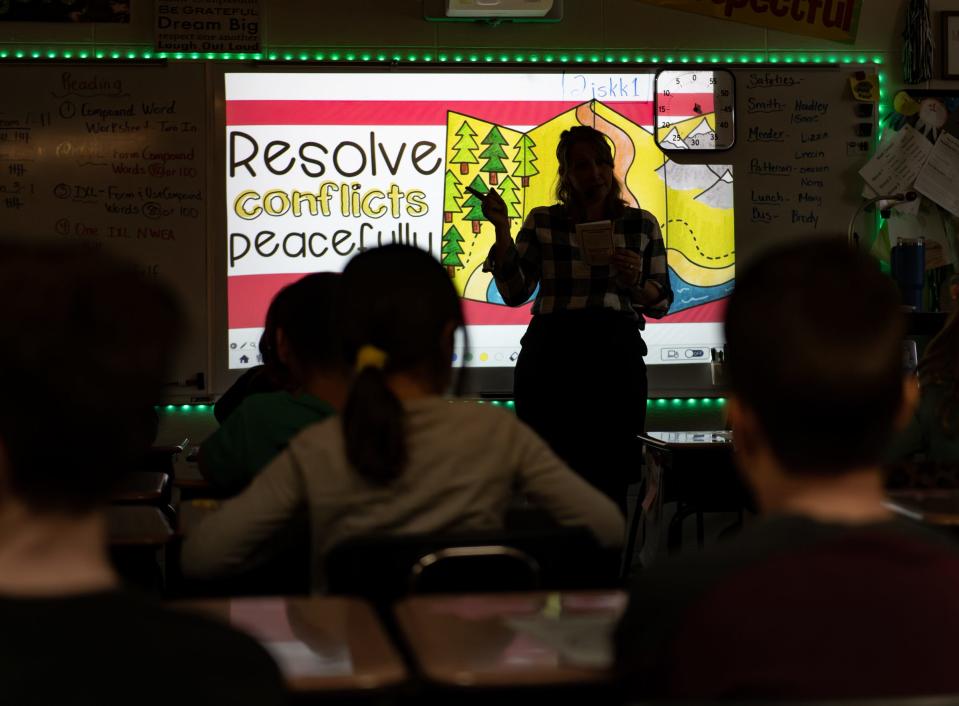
(908, 261)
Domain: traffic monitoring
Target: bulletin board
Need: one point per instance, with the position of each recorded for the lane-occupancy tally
(927, 118)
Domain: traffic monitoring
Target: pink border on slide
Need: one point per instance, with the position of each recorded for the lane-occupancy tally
(386, 113)
(250, 295)
(424, 112)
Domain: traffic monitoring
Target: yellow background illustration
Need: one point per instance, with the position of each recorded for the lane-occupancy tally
(693, 203)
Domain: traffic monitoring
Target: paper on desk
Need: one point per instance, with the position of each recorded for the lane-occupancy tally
(895, 166)
(938, 178)
(579, 640)
(297, 659)
(595, 241)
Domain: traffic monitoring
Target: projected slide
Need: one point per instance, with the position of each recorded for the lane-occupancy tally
(323, 165)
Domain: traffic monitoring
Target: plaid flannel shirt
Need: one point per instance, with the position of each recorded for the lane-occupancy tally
(546, 253)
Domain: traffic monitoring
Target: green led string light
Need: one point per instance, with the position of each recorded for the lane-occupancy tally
(367, 56)
(686, 403)
(885, 106)
(674, 403)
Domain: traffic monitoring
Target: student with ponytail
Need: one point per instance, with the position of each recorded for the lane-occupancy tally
(373, 420)
(401, 458)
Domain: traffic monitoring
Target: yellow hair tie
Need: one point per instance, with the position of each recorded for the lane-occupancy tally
(370, 357)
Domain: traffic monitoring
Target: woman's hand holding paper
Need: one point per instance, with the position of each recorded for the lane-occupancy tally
(628, 266)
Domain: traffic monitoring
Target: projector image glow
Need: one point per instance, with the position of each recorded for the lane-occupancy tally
(498, 8)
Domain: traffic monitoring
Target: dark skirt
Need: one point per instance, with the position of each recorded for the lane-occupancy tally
(580, 383)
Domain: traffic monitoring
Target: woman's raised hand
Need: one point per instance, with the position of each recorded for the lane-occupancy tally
(494, 208)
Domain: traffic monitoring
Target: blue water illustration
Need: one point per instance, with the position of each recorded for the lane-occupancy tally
(687, 295)
(493, 296)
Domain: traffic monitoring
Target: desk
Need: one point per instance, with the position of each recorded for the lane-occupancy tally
(327, 643)
(140, 537)
(695, 469)
(137, 526)
(512, 639)
(188, 476)
(172, 446)
(141, 488)
(688, 440)
(162, 456)
(939, 508)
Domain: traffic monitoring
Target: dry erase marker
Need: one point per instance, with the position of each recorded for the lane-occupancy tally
(476, 193)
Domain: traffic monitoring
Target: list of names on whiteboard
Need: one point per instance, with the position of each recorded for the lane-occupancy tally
(787, 132)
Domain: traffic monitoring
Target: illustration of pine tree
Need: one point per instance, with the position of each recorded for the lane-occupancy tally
(452, 193)
(475, 205)
(452, 250)
(508, 191)
(524, 160)
(494, 154)
(465, 146)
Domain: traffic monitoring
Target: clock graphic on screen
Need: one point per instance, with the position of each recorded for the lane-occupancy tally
(695, 110)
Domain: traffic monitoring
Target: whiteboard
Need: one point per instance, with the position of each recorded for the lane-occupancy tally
(114, 157)
(130, 158)
(794, 164)
(797, 155)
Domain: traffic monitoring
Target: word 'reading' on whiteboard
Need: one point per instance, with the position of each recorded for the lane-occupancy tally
(113, 158)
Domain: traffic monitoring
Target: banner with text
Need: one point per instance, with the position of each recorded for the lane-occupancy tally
(208, 25)
(837, 20)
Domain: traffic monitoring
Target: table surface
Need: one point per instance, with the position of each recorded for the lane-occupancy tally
(513, 639)
(188, 476)
(322, 643)
(931, 507)
(137, 526)
(170, 444)
(140, 487)
(688, 439)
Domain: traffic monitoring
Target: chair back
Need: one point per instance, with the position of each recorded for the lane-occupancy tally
(384, 567)
(481, 568)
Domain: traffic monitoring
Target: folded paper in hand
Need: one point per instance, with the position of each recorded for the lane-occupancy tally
(595, 241)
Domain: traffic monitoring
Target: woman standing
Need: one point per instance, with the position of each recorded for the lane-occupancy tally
(580, 379)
